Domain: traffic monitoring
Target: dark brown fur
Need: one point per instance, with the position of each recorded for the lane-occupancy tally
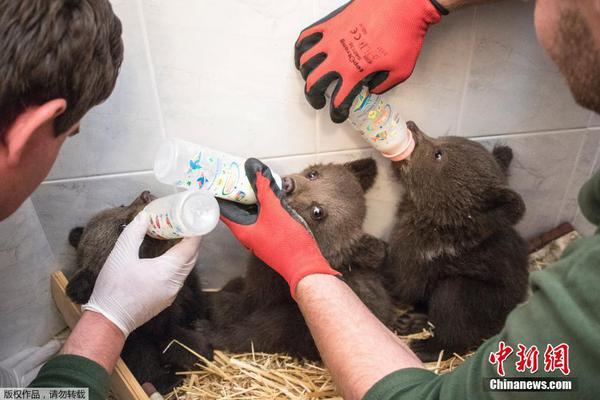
(259, 309)
(453, 251)
(144, 346)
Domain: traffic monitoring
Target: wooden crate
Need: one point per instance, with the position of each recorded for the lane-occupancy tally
(124, 385)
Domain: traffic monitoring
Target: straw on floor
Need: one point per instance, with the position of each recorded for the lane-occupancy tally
(257, 375)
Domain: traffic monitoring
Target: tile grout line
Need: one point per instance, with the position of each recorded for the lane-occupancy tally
(327, 153)
(97, 177)
(510, 135)
(467, 75)
(589, 123)
(570, 181)
(154, 83)
(149, 171)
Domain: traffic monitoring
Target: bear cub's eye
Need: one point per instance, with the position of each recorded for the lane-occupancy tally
(318, 212)
(438, 155)
(312, 175)
(122, 227)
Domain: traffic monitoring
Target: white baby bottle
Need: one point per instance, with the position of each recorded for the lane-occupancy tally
(189, 213)
(381, 125)
(194, 167)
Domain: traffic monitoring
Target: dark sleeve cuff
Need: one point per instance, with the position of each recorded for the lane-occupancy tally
(74, 371)
(400, 384)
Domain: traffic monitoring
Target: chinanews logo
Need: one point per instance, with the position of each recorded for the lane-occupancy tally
(555, 360)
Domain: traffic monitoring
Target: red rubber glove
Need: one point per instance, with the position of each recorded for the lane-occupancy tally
(363, 43)
(273, 231)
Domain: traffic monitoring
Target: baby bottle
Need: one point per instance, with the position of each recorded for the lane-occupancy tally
(191, 166)
(381, 126)
(189, 213)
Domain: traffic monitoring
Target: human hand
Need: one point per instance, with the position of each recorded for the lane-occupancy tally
(273, 231)
(362, 43)
(129, 291)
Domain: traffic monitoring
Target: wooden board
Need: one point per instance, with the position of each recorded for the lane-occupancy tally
(124, 385)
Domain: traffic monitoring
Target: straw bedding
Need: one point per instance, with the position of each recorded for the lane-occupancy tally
(277, 376)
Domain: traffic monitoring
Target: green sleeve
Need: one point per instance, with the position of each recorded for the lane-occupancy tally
(564, 308)
(589, 199)
(74, 371)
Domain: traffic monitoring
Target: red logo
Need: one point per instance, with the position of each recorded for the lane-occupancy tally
(498, 357)
(528, 359)
(557, 358)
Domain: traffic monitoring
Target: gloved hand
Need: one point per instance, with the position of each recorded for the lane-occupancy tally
(273, 231)
(129, 291)
(363, 43)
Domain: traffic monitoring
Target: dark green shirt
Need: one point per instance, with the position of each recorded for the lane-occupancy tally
(74, 371)
(564, 308)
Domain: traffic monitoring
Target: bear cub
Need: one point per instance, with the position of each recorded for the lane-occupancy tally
(143, 351)
(257, 312)
(454, 253)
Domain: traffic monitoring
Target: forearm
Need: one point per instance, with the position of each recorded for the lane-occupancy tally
(356, 347)
(451, 5)
(96, 338)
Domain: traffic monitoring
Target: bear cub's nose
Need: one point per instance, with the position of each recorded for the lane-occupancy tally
(147, 197)
(287, 184)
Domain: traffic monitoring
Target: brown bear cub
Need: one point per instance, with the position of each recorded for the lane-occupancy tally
(143, 351)
(454, 253)
(258, 311)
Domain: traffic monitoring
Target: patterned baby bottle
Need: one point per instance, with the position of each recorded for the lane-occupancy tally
(381, 125)
(189, 213)
(194, 167)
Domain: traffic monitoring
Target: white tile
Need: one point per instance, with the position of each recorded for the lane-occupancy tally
(513, 85)
(431, 96)
(27, 313)
(382, 198)
(540, 172)
(226, 76)
(290, 165)
(595, 120)
(123, 133)
(62, 206)
(582, 172)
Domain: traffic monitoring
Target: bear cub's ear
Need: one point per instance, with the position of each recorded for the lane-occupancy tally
(75, 236)
(505, 206)
(365, 170)
(503, 156)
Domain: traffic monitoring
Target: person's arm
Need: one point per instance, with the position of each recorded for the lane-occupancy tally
(97, 339)
(114, 310)
(87, 358)
(356, 347)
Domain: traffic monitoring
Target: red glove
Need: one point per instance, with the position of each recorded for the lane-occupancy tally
(363, 43)
(273, 231)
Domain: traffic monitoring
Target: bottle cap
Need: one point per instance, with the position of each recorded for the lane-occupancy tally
(405, 149)
(200, 213)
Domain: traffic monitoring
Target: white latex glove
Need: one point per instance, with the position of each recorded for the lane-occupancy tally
(20, 369)
(130, 291)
